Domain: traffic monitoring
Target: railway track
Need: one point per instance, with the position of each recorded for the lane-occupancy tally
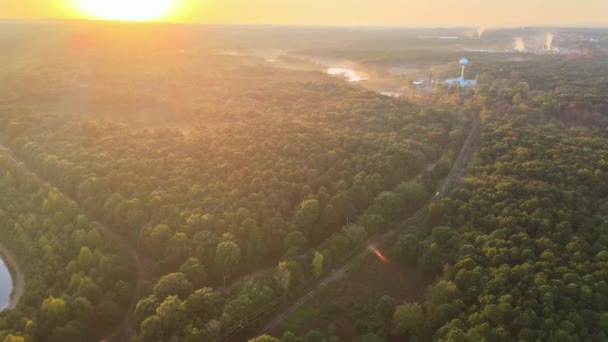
(457, 171)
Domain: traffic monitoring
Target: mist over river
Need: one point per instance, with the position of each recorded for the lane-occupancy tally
(349, 74)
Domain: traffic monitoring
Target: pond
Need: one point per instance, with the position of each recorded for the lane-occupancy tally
(6, 285)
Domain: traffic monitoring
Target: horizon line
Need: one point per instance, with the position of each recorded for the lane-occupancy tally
(337, 25)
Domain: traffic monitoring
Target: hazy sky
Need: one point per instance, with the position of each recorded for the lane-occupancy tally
(402, 12)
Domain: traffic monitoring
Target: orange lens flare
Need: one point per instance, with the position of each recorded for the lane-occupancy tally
(380, 256)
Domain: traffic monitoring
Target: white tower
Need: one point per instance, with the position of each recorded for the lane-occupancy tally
(460, 81)
(464, 63)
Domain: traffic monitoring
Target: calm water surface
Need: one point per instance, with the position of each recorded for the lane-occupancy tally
(6, 285)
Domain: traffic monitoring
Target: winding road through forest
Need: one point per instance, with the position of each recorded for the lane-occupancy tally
(125, 330)
(457, 171)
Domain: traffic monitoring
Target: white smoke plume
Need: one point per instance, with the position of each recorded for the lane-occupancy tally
(520, 45)
(480, 31)
(549, 41)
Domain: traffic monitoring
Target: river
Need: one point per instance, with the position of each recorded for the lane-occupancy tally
(6, 286)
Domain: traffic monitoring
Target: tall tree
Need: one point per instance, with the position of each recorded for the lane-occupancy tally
(407, 318)
(227, 257)
(317, 264)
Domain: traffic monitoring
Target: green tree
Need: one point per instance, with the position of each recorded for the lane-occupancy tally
(389, 205)
(288, 336)
(227, 257)
(372, 223)
(385, 308)
(177, 250)
(407, 319)
(54, 309)
(294, 242)
(173, 284)
(86, 260)
(442, 234)
(314, 336)
(204, 303)
(283, 276)
(407, 249)
(151, 329)
(13, 338)
(317, 264)
(412, 194)
(307, 215)
(172, 315)
(145, 308)
(194, 271)
(356, 234)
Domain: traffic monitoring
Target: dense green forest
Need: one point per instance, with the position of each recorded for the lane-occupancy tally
(523, 239)
(520, 245)
(224, 197)
(259, 167)
(77, 287)
(164, 187)
(518, 248)
(531, 265)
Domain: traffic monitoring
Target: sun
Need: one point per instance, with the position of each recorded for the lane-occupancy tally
(127, 10)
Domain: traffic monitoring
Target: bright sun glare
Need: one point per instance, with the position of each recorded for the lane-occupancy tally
(128, 10)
